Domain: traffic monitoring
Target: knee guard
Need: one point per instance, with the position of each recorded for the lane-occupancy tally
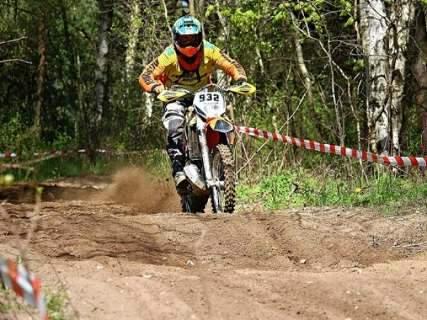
(173, 119)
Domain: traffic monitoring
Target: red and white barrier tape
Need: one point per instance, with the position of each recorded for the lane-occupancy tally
(337, 150)
(8, 155)
(15, 277)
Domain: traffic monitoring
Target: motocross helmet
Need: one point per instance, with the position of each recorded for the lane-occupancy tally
(187, 36)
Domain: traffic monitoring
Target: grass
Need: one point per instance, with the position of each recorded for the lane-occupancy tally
(310, 185)
(300, 188)
(6, 304)
(10, 305)
(56, 303)
(80, 166)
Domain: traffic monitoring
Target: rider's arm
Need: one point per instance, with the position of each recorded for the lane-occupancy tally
(154, 73)
(150, 77)
(228, 65)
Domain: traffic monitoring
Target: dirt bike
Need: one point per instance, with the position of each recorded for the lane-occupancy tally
(208, 140)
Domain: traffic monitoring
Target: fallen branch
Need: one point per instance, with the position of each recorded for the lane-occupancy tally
(12, 41)
(16, 60)
(7, 166)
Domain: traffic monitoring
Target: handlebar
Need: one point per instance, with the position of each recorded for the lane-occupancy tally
(178, 92)
(182, 89)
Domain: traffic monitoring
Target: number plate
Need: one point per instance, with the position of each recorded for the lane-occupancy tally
(209, 104)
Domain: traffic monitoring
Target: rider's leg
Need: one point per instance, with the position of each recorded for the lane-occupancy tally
(173, 120)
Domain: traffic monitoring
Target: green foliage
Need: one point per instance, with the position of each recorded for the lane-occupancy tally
(347, 10)
(155, 162)
(56, 305)
(7, 304)
(245, 20)
(10, 131)
(280, 15)
(259, 34)
(302, 188)
(6, 179)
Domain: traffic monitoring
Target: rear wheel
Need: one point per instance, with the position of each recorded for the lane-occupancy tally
(224, 197)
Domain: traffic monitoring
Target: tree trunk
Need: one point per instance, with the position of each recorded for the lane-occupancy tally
(166, 14)
(402, 17)
(79, 101)
(306, 77)
(424, 134)
(148, 105)
(419, 70)
(373, 27)
(101, 73)
(385, 40)
(225, 34)
(301, 64)
(41, 75)
(72, 93)
(135, 25)
(201, 9)
(193, 8)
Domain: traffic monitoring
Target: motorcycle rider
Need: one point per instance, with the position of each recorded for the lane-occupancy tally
(188, 62)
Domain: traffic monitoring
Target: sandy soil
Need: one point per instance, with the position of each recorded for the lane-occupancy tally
(137, 258)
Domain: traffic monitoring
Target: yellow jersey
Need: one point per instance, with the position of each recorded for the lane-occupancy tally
(170, 69)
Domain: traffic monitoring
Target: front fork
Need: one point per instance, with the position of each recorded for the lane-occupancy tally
(210, 183)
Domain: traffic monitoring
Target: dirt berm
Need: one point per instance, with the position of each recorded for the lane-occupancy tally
(121, 261)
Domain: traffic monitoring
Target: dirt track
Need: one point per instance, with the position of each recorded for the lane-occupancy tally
(121, 261)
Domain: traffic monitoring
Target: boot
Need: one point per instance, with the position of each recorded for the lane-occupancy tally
(181, 181)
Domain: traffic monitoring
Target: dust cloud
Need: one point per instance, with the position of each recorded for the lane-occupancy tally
(148, 193)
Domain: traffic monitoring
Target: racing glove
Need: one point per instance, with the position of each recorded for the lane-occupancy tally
(240, 82)
(158, 89)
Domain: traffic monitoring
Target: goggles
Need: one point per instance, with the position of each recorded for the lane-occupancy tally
(189, 40)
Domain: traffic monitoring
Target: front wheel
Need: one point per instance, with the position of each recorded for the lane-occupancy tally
(193, 204)
(224, 193)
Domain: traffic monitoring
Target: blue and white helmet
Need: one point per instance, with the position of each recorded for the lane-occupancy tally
(187, 35)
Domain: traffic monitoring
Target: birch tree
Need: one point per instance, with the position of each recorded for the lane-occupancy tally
(373, 26)
(385, 35)
(41, 73)
(101, 73)
(326, 70)
(419, 70)
(134, 27)
(402, 17)
(192, 8)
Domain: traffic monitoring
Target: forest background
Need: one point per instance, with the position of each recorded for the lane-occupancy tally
(346, 72)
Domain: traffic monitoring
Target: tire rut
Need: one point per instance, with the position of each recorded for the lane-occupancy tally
(85, 230)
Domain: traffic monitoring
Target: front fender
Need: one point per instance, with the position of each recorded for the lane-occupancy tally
(219, 130)
(220, 125)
